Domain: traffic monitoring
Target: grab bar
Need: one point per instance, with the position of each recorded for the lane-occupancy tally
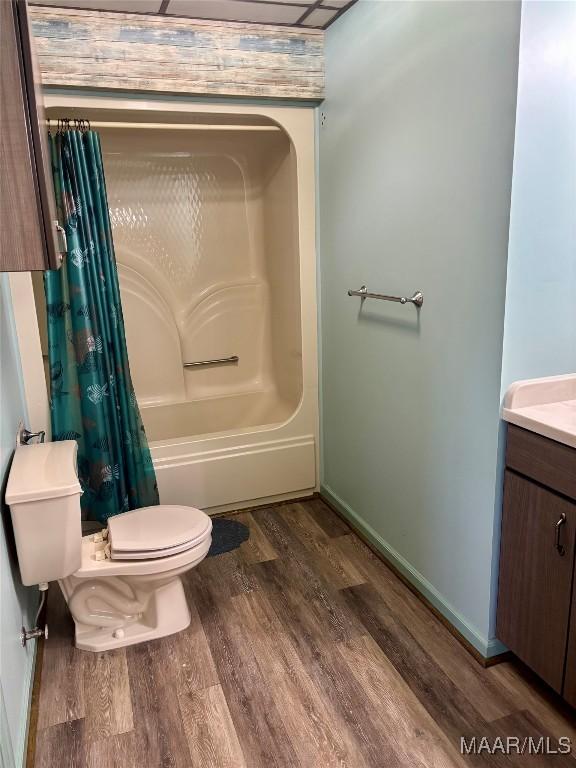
(417, 299)
(217, 361)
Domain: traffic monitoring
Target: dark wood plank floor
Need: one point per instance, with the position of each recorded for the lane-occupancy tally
(304, 650)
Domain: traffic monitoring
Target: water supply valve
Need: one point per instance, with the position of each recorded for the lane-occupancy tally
(32, 634)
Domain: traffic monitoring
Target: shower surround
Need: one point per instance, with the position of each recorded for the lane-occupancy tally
(212, 211)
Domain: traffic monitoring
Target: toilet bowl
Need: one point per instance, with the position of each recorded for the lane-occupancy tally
(122, 585)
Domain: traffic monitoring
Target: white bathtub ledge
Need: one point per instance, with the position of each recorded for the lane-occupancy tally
(545, 406)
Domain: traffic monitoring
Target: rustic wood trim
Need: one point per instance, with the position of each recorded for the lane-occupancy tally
(169, 54)
(484, 661)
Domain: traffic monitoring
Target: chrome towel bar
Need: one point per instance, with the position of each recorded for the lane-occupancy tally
(217, 361)
(417, 299)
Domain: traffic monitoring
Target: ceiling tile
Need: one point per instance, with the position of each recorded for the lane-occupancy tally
(336, 3)
(319, 17)
(130, 6)
(236, 10)
(256, 11)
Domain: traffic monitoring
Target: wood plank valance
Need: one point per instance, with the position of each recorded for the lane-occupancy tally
(165, 54)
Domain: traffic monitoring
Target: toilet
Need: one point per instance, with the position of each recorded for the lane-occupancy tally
(122, 585)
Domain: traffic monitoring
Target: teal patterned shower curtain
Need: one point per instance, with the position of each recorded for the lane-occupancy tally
(92, 399)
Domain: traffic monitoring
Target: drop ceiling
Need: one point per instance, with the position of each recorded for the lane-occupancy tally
(317, 14)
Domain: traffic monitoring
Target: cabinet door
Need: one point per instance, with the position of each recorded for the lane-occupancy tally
(27, 231)
(569, 691)
(535, 578)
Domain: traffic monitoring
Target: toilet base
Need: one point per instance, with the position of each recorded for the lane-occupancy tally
(115, 612)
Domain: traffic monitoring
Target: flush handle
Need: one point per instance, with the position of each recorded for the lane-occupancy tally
(26, 436)
(559, 525)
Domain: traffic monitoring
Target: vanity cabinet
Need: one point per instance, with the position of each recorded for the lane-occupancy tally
(29, 230)
(570, 677)
(536, 615)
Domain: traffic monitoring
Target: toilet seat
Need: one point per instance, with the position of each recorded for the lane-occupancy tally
(93, 567)
(156, 532)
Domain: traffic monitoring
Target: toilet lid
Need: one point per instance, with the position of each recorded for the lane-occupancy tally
(160, 531)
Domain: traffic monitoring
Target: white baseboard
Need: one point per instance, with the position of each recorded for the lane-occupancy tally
(21, 749)
(486, 647)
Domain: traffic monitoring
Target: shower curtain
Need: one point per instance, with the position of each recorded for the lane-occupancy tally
(92, 399)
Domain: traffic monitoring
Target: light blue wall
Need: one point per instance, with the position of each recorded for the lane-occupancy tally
(540, 315)
(17, 604)
(415, 182)
(540, 320)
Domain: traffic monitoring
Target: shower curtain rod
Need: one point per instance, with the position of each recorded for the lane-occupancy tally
(184, 126)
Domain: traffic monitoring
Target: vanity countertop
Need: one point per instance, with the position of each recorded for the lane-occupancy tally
(546, 406)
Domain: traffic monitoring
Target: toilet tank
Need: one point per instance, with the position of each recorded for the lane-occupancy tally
(43, 492)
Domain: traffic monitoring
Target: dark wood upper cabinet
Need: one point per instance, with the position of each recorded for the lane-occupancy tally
(28, 226)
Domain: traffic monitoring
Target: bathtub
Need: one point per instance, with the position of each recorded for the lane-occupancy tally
(212, 209)
(257, 461)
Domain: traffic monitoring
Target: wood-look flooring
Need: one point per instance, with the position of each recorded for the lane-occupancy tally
(304, 650)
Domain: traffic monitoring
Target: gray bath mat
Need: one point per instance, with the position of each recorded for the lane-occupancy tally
(227, 535)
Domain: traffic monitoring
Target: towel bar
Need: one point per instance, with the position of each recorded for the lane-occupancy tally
(417, 299)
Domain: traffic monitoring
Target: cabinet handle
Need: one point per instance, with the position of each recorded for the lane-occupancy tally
(560, 547)
(61, 237)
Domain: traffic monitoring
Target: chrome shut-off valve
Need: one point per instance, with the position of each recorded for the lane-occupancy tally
(32, 634)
